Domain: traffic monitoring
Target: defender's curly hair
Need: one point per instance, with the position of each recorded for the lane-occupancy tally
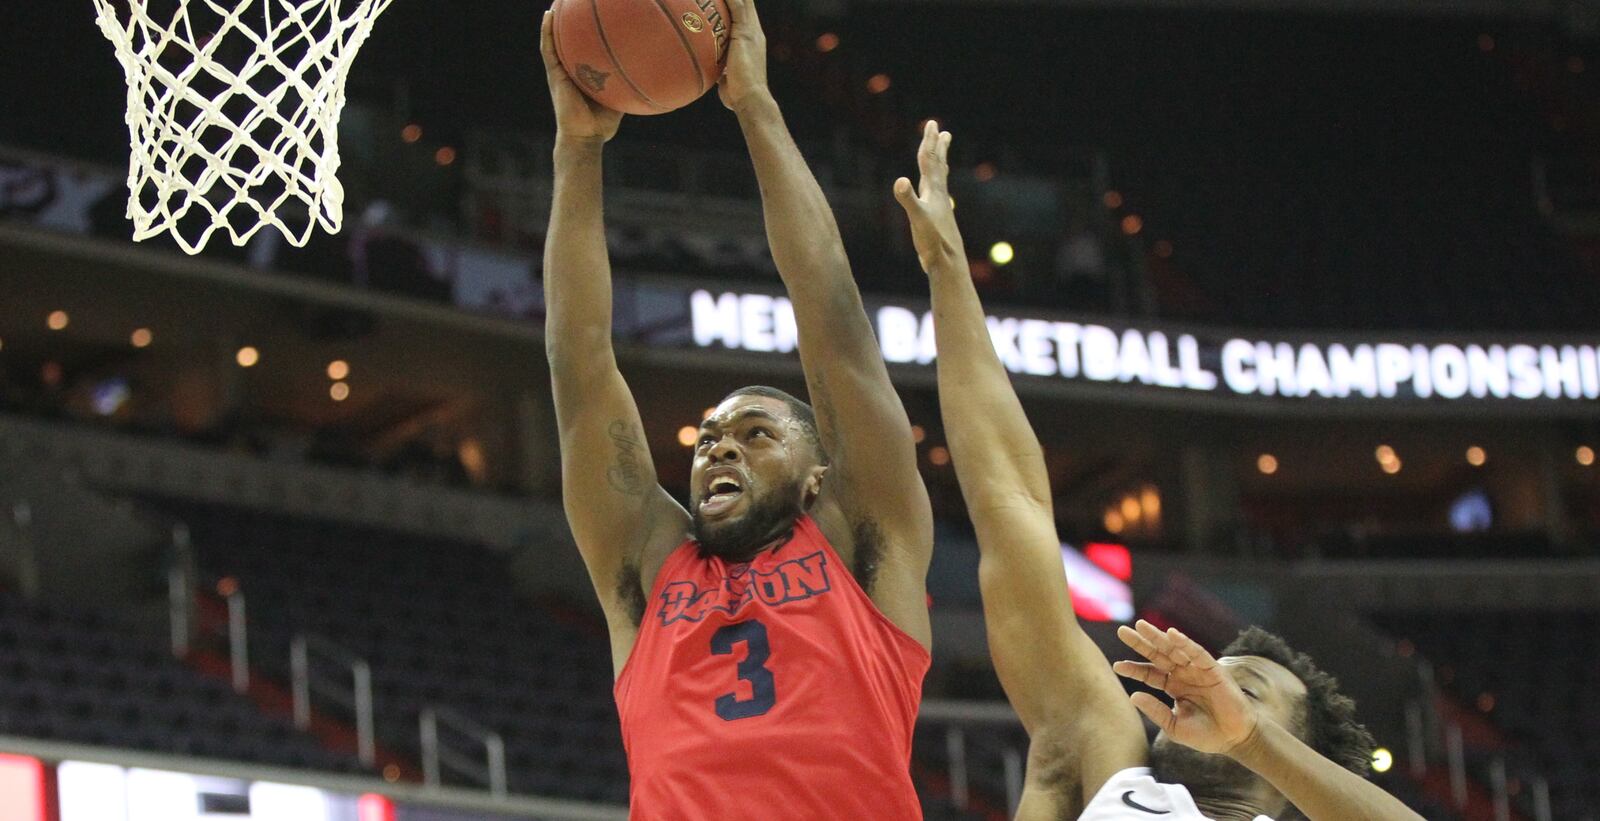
(1328, 717)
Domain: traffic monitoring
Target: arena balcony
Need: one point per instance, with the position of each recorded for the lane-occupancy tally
(1289, 443)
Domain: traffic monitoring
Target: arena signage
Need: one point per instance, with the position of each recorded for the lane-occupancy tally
(22, 789)
(49, 789)
(1098, 580)
(96, 792)
(1376, 369)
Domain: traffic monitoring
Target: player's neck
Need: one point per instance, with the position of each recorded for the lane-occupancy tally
(780, 535)
(1229, 808)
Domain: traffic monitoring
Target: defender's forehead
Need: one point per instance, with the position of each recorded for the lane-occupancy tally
(1279, 677)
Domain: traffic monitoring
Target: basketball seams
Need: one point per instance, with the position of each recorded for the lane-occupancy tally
(594, 6)
(688, 48)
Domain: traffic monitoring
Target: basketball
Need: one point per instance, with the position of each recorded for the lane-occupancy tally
(642, 56)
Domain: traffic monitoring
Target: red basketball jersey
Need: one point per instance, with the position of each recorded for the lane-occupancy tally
(769, 689)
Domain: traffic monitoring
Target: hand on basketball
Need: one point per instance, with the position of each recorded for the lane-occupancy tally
(932, 212)
(1209, 713)
(577, 116)
(745, 78)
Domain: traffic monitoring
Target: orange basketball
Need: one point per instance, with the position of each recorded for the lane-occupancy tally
(642, 56)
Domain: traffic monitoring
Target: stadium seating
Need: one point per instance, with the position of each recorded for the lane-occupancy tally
(1503, 664)
(84, 677)
(440, 625)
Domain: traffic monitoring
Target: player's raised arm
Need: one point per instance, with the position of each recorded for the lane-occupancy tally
(1213, 714)
(1081, 726)
(623, 521)
(873, 493)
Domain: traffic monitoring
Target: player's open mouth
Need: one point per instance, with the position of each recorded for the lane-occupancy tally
(722, 494)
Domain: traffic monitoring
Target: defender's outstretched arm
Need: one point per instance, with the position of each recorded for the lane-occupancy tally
(623, 521)
(1081, 726)
(873, 478)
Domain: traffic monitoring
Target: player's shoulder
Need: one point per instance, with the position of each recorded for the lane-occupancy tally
(1138, 779)
(1134, 793)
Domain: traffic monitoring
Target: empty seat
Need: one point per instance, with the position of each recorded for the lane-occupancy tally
(79, 676)
(1540, 669)
(440, 624)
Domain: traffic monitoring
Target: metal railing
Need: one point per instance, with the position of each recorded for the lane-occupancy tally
(1455, 757)
(178, 610)
(1541, 799)
(238, 642)
(356, 695)
(974, 730)
(180, 591)
(28, 557)
(490, 772)
(182, 623)
(1416, 740)
(1427, 732)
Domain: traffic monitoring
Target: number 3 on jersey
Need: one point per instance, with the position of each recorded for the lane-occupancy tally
(753, 634)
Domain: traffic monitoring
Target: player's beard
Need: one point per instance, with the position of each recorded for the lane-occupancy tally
(768, 518)
(1204, 774)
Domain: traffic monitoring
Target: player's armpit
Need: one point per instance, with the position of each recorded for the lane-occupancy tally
(620, 517)
(1069, 764)
(624, 523)
(873, 505)
(1052, 789)
(1043, 804)
(1059, 682)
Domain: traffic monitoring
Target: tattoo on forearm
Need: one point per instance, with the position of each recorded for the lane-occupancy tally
(626, 473)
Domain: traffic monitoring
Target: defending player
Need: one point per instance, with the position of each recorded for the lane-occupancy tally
(769, 643)
(1253, 732)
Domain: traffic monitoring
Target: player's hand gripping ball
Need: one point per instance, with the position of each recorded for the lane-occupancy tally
(642, 56)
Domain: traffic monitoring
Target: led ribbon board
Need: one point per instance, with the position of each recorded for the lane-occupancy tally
(1197, 363)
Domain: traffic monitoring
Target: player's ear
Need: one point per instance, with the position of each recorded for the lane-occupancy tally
(813, 483)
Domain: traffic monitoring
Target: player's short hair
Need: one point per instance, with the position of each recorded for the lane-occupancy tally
(1328, 717)
(801, 411)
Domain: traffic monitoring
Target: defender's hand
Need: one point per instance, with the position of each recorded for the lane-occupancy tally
(1209, 713)
(745, 78)
(932, 212)
(577, 116)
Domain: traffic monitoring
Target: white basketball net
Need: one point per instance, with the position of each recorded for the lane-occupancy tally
(233, 112)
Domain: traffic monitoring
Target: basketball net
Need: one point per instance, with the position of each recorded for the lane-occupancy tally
(233, 112)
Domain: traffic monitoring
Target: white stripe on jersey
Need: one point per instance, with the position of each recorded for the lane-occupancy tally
(1133, 795)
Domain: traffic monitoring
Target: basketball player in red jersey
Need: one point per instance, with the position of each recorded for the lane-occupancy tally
(770, 642)
(1251, 733)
